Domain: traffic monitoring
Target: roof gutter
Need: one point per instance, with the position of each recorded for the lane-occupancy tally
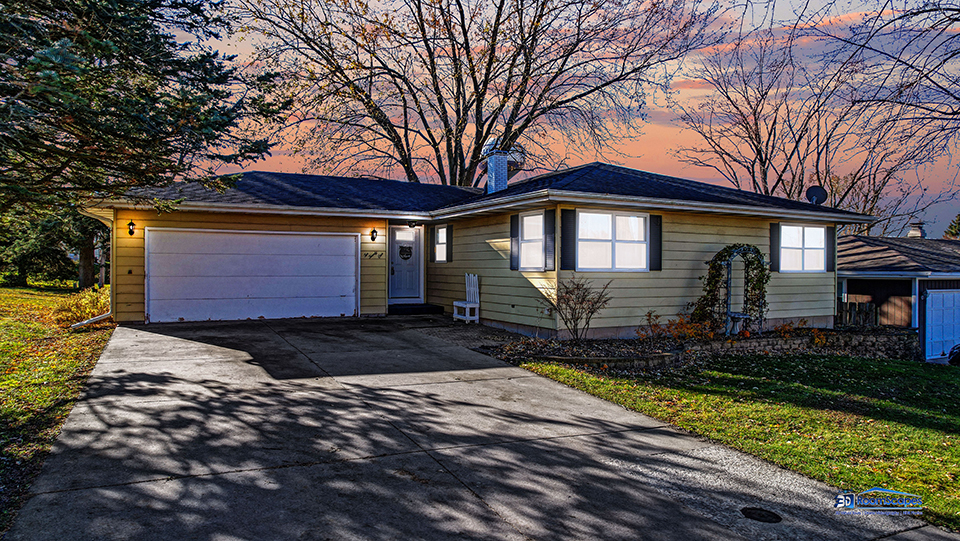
(562, 196)
(899, 274)
(274, 209)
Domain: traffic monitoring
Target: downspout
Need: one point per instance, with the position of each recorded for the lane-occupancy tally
(915, 309)
(97, 318)
(113, 237)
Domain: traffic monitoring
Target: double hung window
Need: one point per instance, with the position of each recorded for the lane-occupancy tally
(611, 241)
(531, 241)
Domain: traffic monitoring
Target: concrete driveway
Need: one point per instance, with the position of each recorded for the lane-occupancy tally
(372, 429)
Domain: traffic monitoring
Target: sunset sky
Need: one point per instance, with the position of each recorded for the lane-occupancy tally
(655, 150)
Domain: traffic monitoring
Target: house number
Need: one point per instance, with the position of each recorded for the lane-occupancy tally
(373, 255)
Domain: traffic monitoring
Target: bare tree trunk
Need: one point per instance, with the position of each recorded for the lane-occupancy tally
(19, 279)
(87, 259)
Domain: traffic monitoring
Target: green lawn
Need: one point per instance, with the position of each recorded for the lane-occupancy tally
(44, 370)
(852, 423)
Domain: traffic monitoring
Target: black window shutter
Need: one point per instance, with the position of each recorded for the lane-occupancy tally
(550, 239)
(656, 242)
(775, 247)
(514, 242)
(431, 243)
(831, 249)
(449, 243)
(568, 239)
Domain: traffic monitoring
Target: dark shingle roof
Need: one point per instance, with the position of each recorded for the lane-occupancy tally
(604, 178)
(318, 191)
(906, 255)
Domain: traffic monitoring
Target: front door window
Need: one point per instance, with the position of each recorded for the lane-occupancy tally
(404, 263)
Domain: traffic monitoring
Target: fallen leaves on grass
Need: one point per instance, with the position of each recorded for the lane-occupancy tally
(43, 369)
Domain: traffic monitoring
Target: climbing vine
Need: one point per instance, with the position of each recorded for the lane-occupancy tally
(711, 308)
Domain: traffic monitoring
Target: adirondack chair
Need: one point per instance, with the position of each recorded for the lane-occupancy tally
(471, 306)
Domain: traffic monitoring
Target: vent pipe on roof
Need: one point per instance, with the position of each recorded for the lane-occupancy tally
(916, 231)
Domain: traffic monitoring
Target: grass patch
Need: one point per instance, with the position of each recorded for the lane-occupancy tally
(852, 423)
(43, 368)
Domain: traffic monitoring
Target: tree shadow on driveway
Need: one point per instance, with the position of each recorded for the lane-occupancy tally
(197, 439)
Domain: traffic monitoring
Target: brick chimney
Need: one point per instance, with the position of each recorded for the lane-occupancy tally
(916, 230)
(497, 171)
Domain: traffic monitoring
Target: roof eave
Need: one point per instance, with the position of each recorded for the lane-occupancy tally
(564, 196)
(273, 209)
(898, 274)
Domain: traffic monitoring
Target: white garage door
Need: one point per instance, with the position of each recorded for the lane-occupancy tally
(224, 275)
(943, 322)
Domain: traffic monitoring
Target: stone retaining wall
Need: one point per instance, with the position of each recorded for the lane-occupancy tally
(892, 344)
(904, 345)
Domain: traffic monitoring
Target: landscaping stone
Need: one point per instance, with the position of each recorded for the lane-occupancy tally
(884, 343)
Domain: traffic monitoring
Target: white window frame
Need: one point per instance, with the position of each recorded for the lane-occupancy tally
(437, 244)
(613, 240)
(803, 249)
(541, 240)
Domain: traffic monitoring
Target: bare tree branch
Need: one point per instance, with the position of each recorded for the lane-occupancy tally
(422, 85)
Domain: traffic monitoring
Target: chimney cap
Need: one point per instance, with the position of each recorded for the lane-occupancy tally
(916, 230)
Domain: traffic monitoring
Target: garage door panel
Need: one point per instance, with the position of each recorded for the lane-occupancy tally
(172, 288)
(249, 265)
(203, 310)
(209, 275)
(250, 244)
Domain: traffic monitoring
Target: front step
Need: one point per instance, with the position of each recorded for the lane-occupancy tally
(414, 309)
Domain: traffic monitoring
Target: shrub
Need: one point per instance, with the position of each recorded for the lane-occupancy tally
(682, 328)
(787, 329)
(576, 302)
(81, 306)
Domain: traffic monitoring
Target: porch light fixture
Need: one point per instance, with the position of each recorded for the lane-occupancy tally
(412, 223)
(373, 235)
(131, 227)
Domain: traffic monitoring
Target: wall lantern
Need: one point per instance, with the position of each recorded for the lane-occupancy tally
(412, 223)
(373, 235)
(131, 227)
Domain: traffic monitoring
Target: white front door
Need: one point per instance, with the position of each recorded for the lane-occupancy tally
(943, 322)
(405, 262)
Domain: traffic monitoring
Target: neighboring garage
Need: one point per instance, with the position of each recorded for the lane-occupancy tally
(914, 282)
(199, 275)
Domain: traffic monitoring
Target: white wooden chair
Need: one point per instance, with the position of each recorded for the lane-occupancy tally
(471, 306)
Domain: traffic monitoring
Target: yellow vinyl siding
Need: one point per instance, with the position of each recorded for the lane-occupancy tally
(128, 270)
(481, 246)
(689, 241)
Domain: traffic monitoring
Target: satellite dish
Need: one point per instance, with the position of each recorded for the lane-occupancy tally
(816, 195)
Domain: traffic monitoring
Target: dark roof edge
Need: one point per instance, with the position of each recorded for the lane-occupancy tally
(563, 196)
(270, 209)
(898, 274)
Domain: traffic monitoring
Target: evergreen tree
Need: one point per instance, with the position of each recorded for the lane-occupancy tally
(100, 96)
(953, 230)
